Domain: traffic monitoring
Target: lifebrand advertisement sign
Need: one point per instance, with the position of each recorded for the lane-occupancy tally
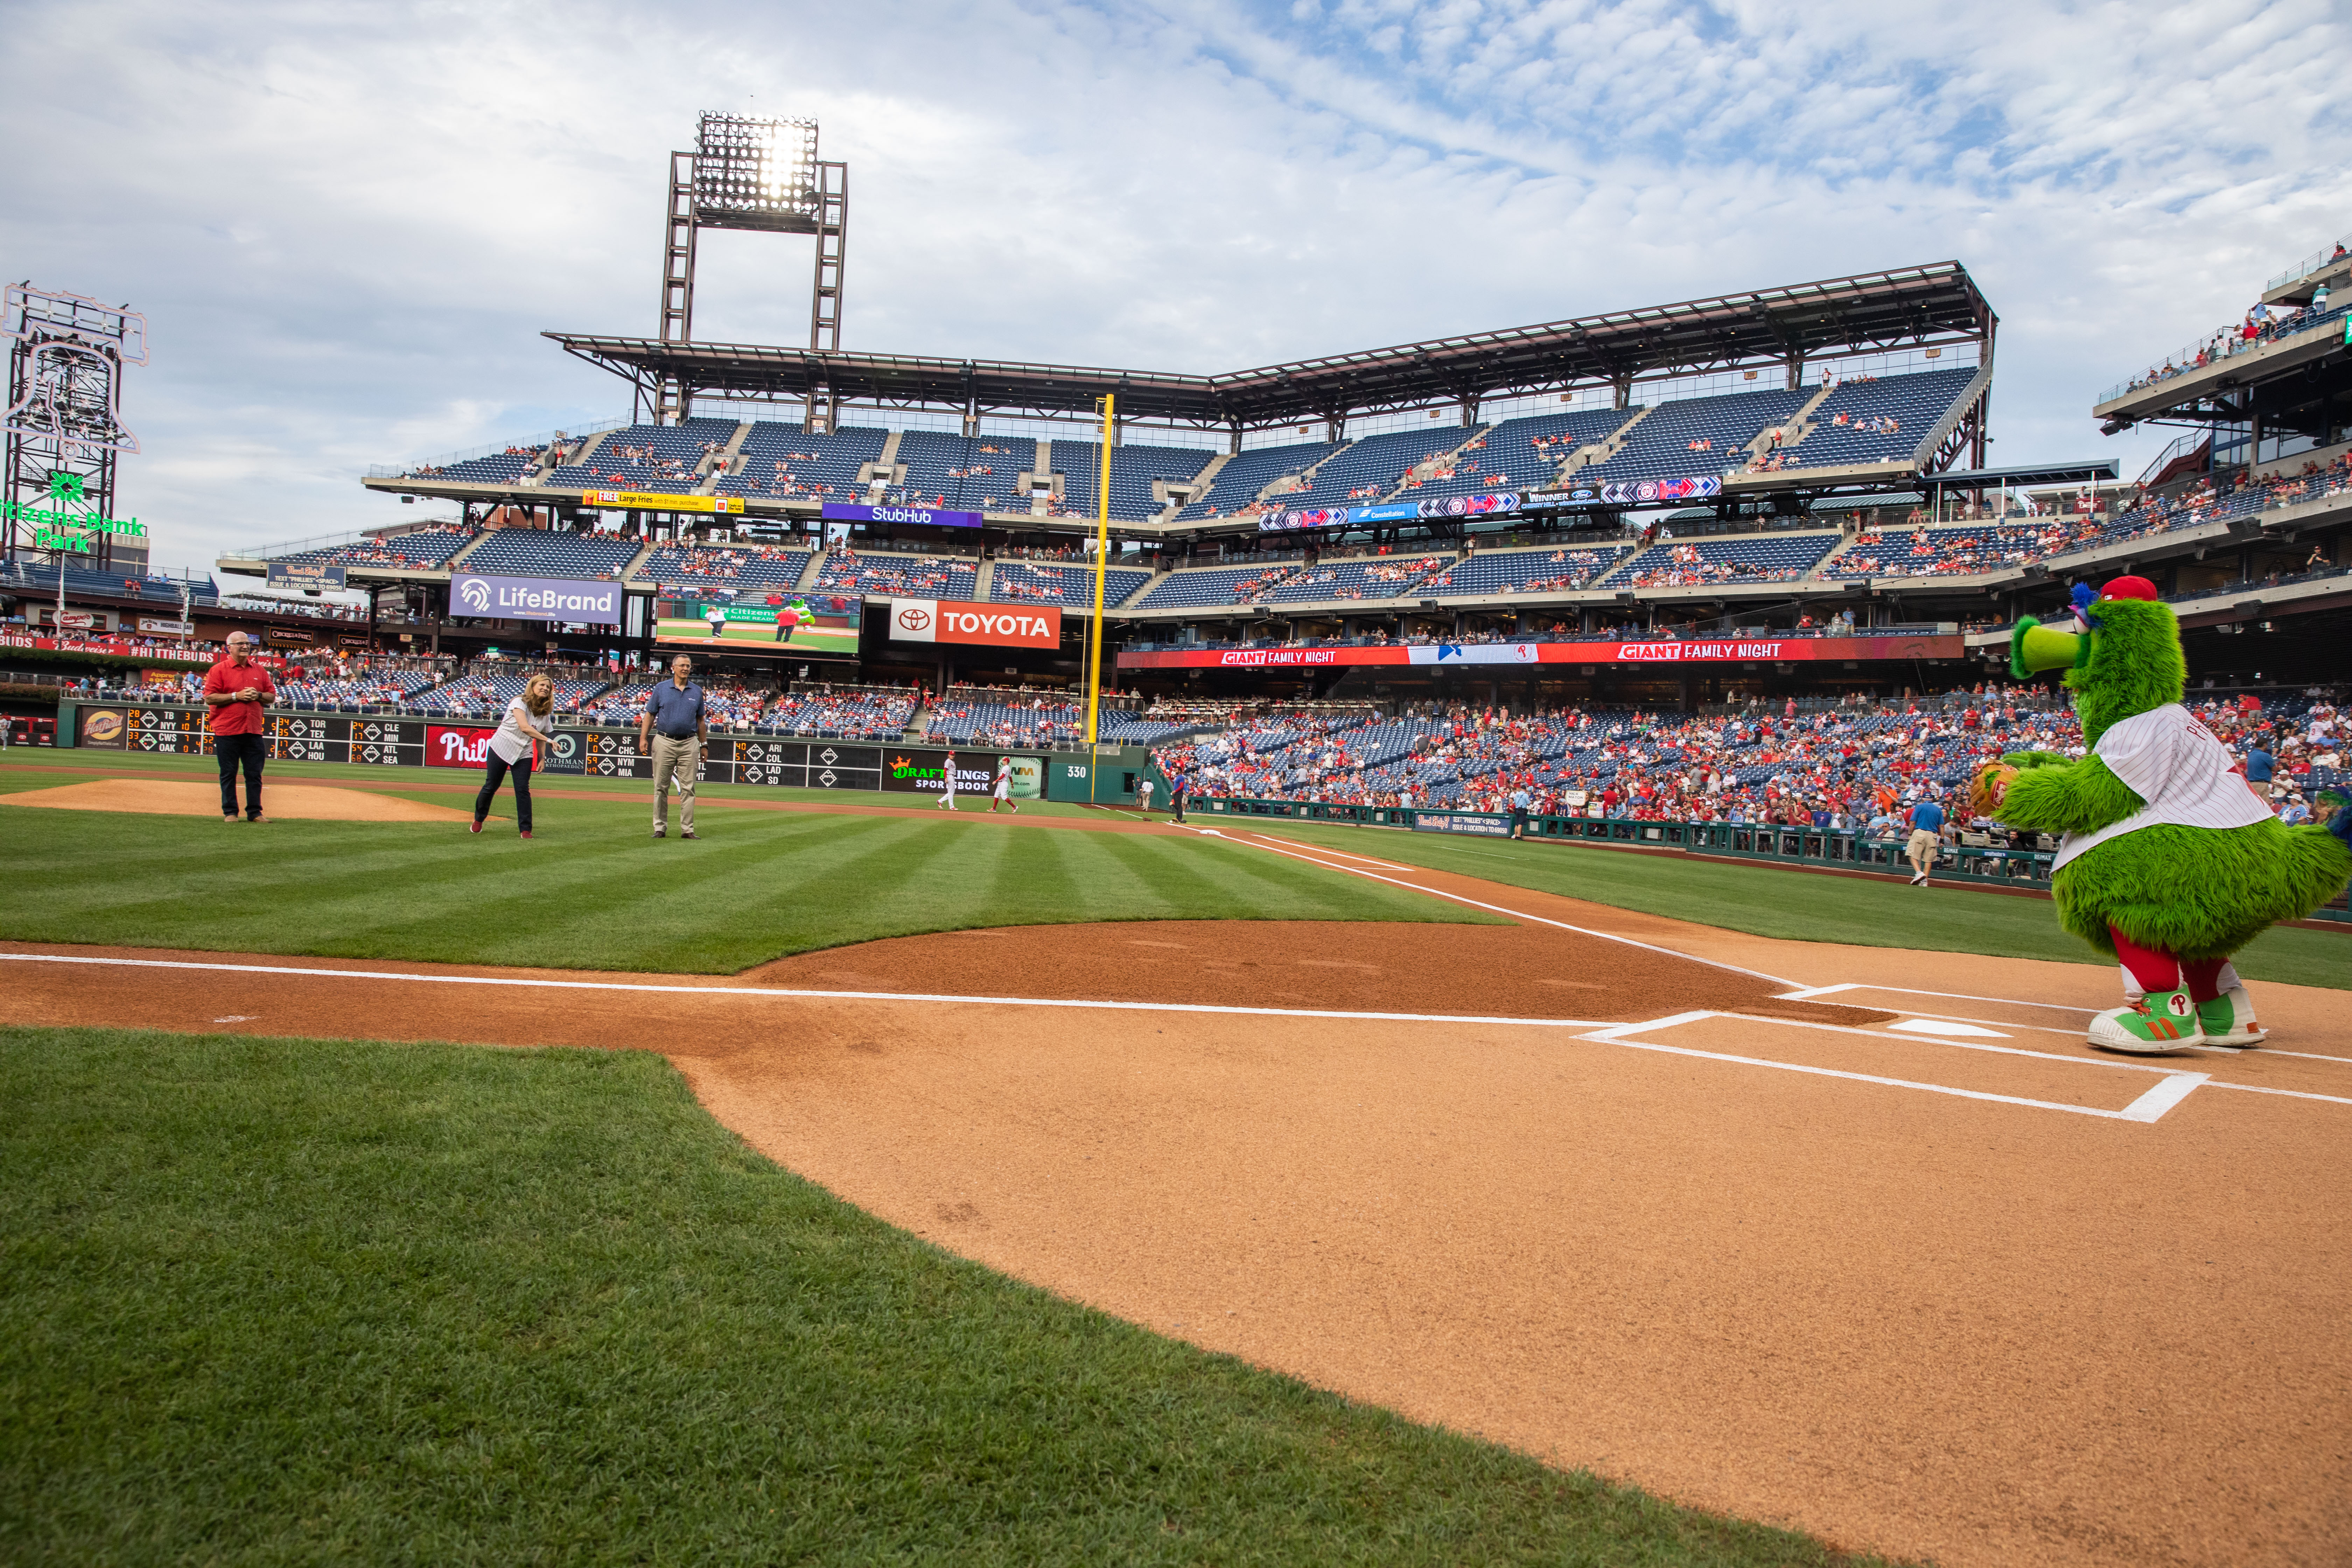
(1738, 650)
(989, 626)
(534, 598)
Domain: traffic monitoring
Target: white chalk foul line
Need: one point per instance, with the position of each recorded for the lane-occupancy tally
(2172, 1088)
(799, 994)
(1317, 859)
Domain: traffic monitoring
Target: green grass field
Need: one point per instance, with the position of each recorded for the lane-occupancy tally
(300, 1300)
(593, 890)
(1772, 900)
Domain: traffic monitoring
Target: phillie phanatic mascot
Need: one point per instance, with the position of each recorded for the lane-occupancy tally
(2168, 860)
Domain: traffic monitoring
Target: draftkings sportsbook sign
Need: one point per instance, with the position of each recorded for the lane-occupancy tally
(990, 626)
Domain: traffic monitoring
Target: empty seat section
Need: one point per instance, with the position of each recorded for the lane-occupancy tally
(1524, 571)
(1935, 552)
(1877, 421)
(1692, 437)
(424, 550)
(1372, 468)
(1684, 563)
(1383, 577)
(542, 552)
(778, 461)
(1519, 454)
(111, 584)
(659, 458)
(1213, 586)
(956, 473)
(678, 567)
(1239, 481)
(899, 576)
(1132, 471)
(1029, 581)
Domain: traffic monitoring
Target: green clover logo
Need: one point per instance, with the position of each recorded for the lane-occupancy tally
(65, 486)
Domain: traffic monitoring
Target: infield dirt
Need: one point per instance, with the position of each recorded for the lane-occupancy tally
(1981, 1332)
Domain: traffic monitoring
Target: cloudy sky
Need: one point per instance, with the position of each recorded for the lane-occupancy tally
(347, 225)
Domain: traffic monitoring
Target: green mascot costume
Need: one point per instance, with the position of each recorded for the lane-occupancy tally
(2169, 861)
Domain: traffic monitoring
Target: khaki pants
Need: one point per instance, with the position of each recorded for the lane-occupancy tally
(682, 759)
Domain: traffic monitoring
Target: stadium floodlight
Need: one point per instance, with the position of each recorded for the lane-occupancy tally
(756, 173)
(761, 175)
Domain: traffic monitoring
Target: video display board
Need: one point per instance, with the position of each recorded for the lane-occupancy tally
(823, 625)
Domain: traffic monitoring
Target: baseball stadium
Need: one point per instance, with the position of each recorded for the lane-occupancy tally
(1596, 941)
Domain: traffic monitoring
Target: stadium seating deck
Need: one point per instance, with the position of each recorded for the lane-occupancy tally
(1034, 582)
(1681, 564)
(1375, 577)
(545, 553)
(1560, 569)
(1133, 470)
(964, 474)
(781, 462)
(724, 567)
(910, 576)
(1519, 454)
(1876, 421)
(1693, 437)
(1371, 469)
(1239, 481)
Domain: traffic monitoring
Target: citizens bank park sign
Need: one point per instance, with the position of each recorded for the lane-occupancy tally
(990, 626)
(1685, 652)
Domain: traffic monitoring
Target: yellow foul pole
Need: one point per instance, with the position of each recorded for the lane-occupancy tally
(1094, 632)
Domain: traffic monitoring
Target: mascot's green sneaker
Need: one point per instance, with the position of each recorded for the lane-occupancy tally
(2159, 1021)
(2229, 1019)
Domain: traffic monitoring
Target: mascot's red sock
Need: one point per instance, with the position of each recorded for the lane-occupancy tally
(2160, 972)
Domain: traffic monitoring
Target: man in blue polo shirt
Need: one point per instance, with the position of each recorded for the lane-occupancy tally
(673, 728)
(1927, 836)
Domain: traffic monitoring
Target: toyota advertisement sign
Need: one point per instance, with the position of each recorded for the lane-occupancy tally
(534, 598)
(987, 625)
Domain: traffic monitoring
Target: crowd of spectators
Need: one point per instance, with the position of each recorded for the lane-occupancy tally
(1857, 765)
(1687, 567)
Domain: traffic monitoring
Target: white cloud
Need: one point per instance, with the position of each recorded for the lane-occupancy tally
(348, 226)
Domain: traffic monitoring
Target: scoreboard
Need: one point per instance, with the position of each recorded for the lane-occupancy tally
(798, 765)
(310, 738)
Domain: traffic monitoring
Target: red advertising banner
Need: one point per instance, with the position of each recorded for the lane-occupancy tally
(990, 626)
(1687, 651)
(453, 746)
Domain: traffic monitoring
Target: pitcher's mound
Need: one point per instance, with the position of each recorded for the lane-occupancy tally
(172, 797)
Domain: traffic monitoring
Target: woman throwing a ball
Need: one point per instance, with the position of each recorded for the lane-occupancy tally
(510, 750)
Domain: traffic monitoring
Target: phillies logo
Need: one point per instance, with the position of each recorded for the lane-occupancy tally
(914, 618)
(462, 749)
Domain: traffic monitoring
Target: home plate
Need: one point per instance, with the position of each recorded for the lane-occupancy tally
(1946, 1029)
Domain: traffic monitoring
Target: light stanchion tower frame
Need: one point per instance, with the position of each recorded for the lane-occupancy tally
(1108, 404)
(762, 176)
(64, 420)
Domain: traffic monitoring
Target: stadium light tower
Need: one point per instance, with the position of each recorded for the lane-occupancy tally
(64, 420)
(765, 175)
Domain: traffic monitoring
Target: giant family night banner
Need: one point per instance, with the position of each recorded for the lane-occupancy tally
(1687, 651)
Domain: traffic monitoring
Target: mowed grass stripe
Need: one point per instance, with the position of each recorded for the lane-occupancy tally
(1772, 900)
(594, 890)
(308, 1299)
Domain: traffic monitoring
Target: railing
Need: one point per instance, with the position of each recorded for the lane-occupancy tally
(2310, 264)
(570, 432)
(2217, 346)
(1980, 864)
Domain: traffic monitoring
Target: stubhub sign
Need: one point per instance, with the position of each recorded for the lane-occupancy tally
(534, 598)
(992, 625)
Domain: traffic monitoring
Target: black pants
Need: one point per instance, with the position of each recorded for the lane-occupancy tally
(498, 769)
(251, 752)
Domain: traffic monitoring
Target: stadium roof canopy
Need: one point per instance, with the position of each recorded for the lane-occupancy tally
(1868, 312)
(2081, 473)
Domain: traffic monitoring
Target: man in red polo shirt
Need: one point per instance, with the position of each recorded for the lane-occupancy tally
(236, 689)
